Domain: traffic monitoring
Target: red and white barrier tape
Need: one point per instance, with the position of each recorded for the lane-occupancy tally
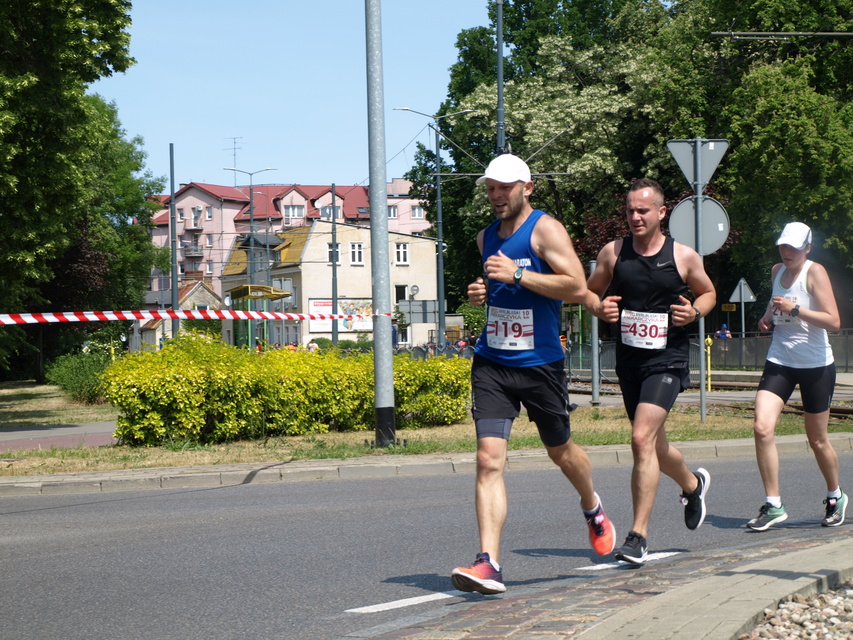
(164, 314)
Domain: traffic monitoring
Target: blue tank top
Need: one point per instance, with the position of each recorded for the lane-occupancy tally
(522, 327)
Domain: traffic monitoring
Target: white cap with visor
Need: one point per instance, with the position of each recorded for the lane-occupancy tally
(796, 234)
(506, 168)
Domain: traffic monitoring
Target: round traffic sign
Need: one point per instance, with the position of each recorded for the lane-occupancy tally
(714, 224)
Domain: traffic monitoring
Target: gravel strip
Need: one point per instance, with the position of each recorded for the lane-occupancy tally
(825, 616)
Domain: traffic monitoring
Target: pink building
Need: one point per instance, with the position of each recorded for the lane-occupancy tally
(210, 219)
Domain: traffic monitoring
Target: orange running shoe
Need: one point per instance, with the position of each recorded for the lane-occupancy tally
(602, 533)
(481, 577)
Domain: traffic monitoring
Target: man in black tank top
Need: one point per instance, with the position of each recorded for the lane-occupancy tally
(649, 277)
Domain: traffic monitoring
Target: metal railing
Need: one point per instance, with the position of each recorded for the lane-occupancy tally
(739, 353)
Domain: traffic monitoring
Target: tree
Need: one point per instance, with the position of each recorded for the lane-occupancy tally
(66, 206)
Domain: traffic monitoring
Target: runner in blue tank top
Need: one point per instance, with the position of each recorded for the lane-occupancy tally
(530, 267)
(651, 275)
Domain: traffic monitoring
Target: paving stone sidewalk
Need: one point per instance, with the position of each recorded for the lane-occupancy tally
(696, 596)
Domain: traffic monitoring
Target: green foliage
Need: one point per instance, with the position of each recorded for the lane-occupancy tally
(594, 91)
(197, 389)
(75, 206)
(474, 318)
(79, 375)
(323, 343)
(212, 328)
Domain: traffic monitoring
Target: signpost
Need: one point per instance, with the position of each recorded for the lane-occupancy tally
(740, 295)
(698, 159)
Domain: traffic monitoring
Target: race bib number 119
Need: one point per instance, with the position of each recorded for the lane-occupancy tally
(510, 329)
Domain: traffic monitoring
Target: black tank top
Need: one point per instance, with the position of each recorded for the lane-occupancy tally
(650, 284)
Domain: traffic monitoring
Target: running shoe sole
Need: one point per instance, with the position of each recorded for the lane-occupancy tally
(769, 523)
(625, 557)
(464, 582)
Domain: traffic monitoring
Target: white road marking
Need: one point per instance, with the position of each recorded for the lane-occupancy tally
(407, 602)
(610, 565)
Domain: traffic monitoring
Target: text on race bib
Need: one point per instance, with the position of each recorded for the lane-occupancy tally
(644, 330)
(510, 329)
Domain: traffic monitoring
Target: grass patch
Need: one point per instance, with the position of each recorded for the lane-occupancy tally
(26, 404)
(590, 425)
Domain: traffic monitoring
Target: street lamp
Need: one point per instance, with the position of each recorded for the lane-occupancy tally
(251, 262)
(439, 231)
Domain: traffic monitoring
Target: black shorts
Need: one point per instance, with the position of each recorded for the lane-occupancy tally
(816, 384)
(659, 387)
(498, 391)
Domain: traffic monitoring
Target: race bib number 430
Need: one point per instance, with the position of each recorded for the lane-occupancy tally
(510, 329)
(644, 330)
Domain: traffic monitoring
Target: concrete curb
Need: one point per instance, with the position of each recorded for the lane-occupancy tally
(356, 468)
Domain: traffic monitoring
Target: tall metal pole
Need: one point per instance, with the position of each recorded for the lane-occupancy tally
(383, 361)
(698, 187)
(595, 364)
(176, 323)
(439, 221)
(334, 271)
(250, 263)
(501, 126)
(439, 232)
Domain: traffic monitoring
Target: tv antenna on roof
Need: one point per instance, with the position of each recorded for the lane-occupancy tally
(234, 149)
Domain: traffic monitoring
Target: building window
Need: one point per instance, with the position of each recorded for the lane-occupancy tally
(292, 211)
(401, 292)
(417, 212)
(208, 213)
(210, 266)
(180, 241)
(356, 252)
(208, 242)
(196, 217)
(334, 253)
(180, 214)
(402, 253)
(392, 211)
(326, 212)
(181, 270)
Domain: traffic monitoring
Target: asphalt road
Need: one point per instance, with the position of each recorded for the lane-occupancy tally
(292, 560)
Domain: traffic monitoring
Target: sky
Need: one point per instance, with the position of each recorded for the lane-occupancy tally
(282, 84)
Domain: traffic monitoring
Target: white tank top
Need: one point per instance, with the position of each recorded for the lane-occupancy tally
(795, 343)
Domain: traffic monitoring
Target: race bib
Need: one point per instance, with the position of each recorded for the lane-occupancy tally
(644, 330)
(786, 318)
(510, 329)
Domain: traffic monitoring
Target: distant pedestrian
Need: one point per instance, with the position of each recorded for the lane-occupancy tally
(723, 333)
(801, 310)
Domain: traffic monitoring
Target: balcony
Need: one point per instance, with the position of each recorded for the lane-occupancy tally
(194, 223)
(192, 251)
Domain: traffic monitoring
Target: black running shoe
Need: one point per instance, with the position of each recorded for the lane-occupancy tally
(835, 510)
(634, 550)
(694, 503)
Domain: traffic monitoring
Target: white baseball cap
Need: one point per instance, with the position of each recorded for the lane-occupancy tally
(506, 168)
(796, 234)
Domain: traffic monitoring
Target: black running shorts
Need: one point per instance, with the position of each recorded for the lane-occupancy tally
(659, 388)
(816, 384)
(497, 393)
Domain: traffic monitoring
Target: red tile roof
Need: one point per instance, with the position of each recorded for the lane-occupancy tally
(354, 199)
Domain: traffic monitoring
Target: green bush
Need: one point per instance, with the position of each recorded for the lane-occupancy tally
(79, 375)
(200, 389)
